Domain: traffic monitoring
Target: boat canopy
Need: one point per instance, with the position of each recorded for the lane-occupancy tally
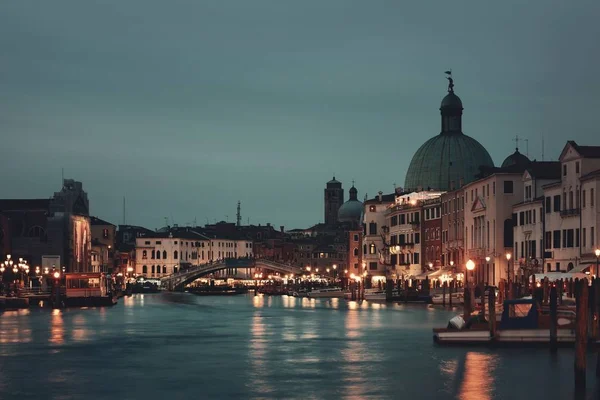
(555, 276)
(519, 314)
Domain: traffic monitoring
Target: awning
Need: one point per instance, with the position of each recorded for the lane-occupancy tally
(434, 274)
(580, 268)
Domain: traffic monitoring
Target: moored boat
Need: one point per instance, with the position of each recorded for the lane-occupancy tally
(327, 293)
(522, 322)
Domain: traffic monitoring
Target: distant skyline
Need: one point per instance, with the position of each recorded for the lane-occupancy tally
(187, 107)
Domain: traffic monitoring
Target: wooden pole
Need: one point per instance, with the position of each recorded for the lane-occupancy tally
(467, 305)
(553, 319)
(482, 299)
(492, 312)
(389, 285)
(594, 294)
(560, 287)
(581, 334)
(546, 291)
(444, 293)
(452, 284)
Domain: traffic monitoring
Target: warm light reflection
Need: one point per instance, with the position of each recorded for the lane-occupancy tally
(258, 355)
(258, 301)
(79, 331)
(57, 331)
(477, 383)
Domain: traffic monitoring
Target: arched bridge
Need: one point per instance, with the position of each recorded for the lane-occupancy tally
(180, 279)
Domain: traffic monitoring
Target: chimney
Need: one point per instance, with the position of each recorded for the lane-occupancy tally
(461, 182)
(281, 228)
(380, 196)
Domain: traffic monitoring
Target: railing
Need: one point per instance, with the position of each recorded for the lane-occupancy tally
(570, 212)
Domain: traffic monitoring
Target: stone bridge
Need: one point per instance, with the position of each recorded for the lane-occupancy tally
(178, 280)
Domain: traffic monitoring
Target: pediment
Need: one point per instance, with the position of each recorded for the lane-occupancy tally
(478, 204)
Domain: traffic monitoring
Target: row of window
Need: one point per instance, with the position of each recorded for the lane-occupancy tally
(404, 259)
(202, 244)
(567, 200)
(570, 238)
(405, 238)
(403, 219)
(526, 217)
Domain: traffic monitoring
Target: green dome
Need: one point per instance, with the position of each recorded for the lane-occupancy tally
(449, 157)
(516, 158)
(444, 159)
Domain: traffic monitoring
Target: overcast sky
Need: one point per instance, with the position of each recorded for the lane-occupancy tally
(187, 106)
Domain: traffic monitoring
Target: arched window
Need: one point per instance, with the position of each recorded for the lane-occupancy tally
(175, 254)
(570, 266)
(186, 255)
(164, 269)
(175, 269)
(158, 254)
(355, 251)
(152, 254)
(372, 249)
(38, 232)
(153, 268)
(145, 269)
(164, 254)
(364, 249)
(144, 254)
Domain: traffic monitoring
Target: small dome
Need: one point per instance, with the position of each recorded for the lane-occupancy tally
(334, 183)
(451, 101)
(351, 211)
(516, 158)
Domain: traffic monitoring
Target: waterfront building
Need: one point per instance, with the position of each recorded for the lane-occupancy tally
(432, 232)
(453, 223)
(47, 232)
(571, 213)
(488, 213)
(375, 233)
(103, 245)
(405, 219)
(450, 157)
(529, 217)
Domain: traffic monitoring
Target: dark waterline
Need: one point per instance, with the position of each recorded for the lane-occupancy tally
(179, 346)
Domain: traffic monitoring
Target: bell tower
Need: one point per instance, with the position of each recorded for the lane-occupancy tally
(334, 198)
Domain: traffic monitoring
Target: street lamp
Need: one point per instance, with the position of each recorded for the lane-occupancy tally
(471, 267)
(308, 268)
(597, 252)
(334, 271)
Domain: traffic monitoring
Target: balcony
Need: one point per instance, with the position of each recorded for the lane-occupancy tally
(415, 225)
(570, 212)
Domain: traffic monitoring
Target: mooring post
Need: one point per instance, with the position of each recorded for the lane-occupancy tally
(553, 319)
(581, 334)
(450, 289)
(389, 286)
(546, 292)
(467, 305)
(492, 313)
(444, 294)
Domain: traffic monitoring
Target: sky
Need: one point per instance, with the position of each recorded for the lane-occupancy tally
(184, 107)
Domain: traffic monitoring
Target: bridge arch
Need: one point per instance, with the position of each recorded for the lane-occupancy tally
(177, 281)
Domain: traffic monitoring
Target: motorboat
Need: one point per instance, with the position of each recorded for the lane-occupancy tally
(327, 293)
(521, 322)
(457, 298)
(380, 295)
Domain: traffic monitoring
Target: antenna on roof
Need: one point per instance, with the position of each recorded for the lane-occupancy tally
(124, 210)
(526, 147)
(62, 176)
(542, 146)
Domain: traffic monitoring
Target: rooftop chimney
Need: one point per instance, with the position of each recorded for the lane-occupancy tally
(281, 227)
(380, 196)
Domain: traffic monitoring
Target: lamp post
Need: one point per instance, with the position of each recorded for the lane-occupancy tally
(487, 267)
(335, 272)
(597, 252)
(471, 267)
(508, 273)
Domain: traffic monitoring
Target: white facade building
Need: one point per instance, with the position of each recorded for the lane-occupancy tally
(489, 224)
(164, 253)
(374, 220)
(571, 227)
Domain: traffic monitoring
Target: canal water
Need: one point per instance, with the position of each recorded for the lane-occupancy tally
(180, 346)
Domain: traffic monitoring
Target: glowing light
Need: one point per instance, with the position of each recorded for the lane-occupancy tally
(57, 275)
(335, 265)
(487, 259)
(452, 263)
(597, 252)
(470, 265)
(508, 256)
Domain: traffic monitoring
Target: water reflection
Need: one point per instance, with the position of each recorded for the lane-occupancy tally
(258, 355)
(477, 381)
(80, 332)
(355, 384)
(57, 331)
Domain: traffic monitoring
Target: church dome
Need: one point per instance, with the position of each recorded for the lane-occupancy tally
(351, 211)
(444, 159)
(451, 156)
(516, 158)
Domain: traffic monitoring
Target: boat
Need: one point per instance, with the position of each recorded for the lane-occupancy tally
(380, 295)
(327, 293)
(217, 290)
(88, 289)
(457, 298)
(300, 293)
(522, 322)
